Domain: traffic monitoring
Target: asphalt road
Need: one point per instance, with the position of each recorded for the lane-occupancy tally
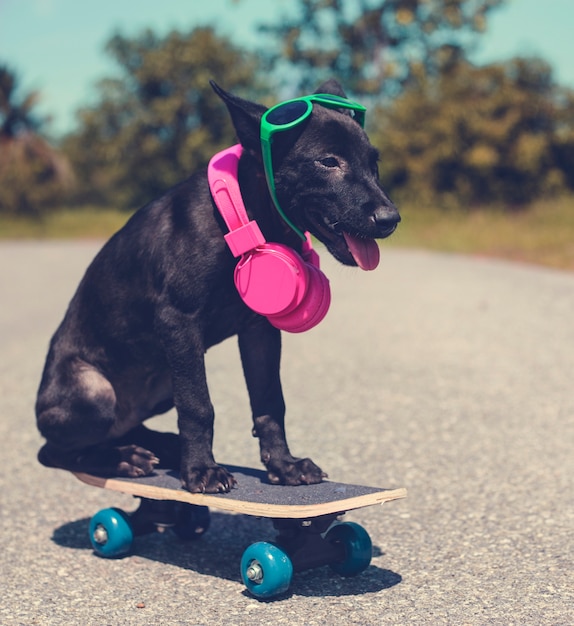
(451, 376)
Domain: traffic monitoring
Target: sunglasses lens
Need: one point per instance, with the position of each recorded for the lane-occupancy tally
(287, 113)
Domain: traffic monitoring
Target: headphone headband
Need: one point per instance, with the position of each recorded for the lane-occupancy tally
(243, 235)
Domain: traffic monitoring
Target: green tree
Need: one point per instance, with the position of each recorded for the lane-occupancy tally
(33, 175)
(373, 46)
(500, 133)
(159, 119)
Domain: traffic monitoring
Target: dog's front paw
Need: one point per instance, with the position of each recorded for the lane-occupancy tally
(135, 461)
(296, 472)
(214, 479)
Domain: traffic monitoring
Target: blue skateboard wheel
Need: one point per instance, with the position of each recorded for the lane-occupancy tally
(111, 534)
(266, 570)
(357, 545)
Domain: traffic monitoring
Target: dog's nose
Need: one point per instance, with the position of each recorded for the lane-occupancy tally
(386, 217)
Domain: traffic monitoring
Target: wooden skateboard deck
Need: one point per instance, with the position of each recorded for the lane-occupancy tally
(254, 495)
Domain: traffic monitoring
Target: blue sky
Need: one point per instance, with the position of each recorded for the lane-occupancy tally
(56, 46)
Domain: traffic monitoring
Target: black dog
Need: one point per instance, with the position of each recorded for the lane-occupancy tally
(161, 292)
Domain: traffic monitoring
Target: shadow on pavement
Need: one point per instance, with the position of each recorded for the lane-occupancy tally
(218, 553)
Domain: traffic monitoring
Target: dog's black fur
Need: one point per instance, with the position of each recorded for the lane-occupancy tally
(161, 292)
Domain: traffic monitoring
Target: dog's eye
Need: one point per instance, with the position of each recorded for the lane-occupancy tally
(329, 162)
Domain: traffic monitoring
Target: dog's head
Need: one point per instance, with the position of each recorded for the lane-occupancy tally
(326, 177)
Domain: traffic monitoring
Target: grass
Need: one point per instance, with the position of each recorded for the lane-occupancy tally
(543, 234)
(85, 223)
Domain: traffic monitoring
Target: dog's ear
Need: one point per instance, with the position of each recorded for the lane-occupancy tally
(245, 115)
(332, 87)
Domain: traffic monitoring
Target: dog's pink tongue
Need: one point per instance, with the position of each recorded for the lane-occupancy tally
(364, 251)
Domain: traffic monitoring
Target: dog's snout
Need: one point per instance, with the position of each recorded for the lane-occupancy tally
(386, 217)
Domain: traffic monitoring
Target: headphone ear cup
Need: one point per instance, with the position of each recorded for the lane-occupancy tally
(312, 308)
(272, 279)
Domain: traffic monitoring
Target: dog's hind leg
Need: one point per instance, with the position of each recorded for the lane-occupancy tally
(260, 348)
(105, 459)
(76, 413)
(165, 445)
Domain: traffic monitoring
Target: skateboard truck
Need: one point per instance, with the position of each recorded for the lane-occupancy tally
(303, 540)
(267, 568)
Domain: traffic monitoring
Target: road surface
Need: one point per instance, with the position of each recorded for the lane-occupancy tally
(450, 376)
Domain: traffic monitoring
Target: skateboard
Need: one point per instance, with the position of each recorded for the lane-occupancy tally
(305, 517)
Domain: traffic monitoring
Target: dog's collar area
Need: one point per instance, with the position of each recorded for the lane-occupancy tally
(244, 234)
(272, 279)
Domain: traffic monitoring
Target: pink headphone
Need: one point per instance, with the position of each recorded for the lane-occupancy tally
(271, 278)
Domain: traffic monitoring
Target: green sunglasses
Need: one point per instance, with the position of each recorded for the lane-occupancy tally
(287, 115)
